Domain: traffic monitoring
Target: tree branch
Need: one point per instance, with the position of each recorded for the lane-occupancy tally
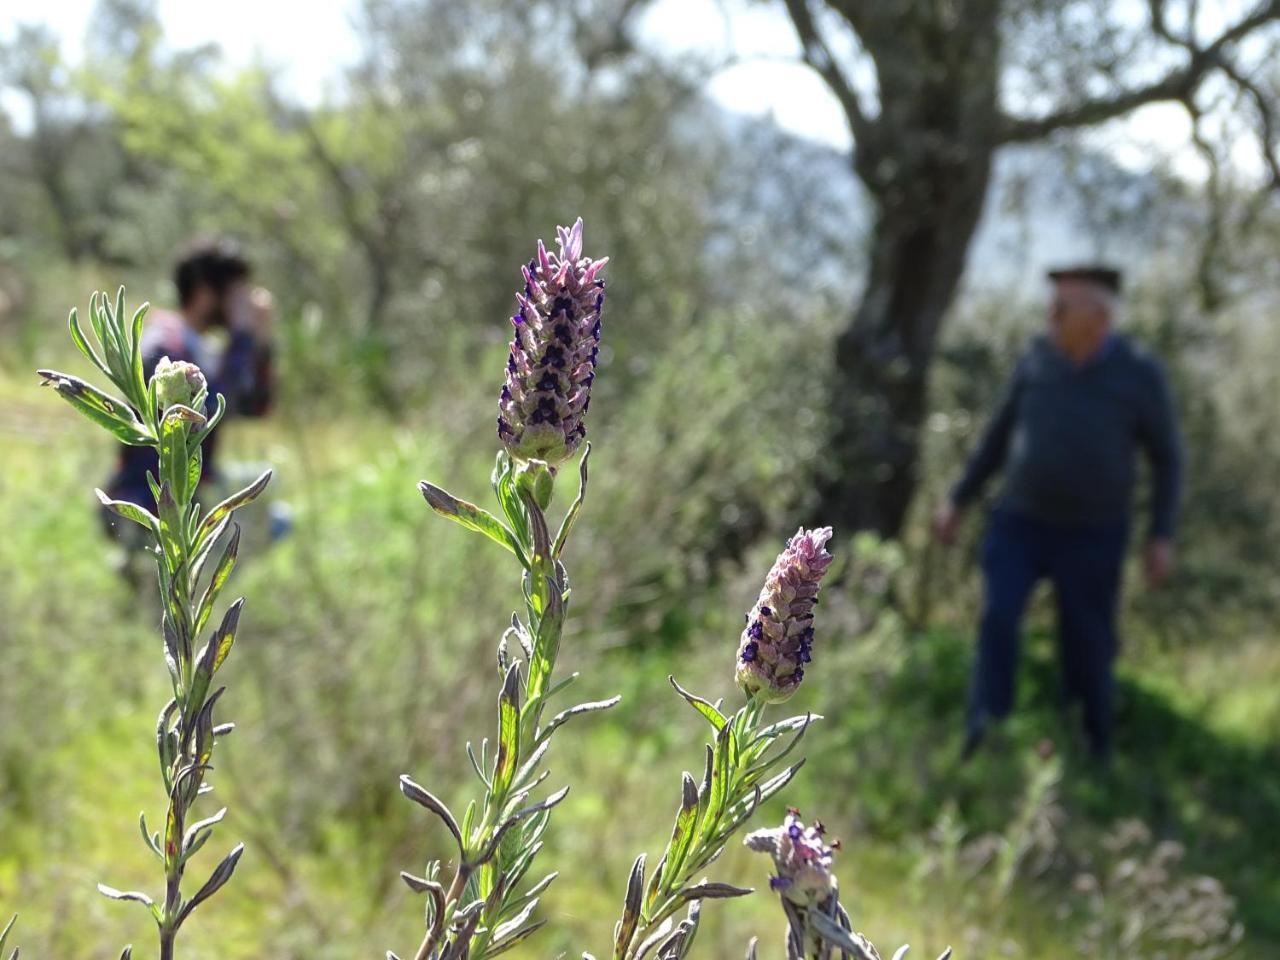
(818, 56)
(1266, 119)
(1177, 85)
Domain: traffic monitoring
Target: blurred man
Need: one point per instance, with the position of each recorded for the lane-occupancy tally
(1082, 401)
(222, 324)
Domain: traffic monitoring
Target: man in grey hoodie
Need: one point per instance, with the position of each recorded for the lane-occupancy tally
(1081, 404)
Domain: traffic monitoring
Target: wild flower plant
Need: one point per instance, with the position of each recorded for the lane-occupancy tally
(483, 910)
(168, 412)
(818, 926)
(738, 772)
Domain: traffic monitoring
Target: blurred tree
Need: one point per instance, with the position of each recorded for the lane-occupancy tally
(65, 151)
(947, 84)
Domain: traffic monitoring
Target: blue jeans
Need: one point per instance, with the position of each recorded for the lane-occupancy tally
(1084, 565)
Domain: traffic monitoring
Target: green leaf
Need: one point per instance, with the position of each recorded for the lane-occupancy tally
(762, 743)
(721, 772)
(423, 797)
(198, 833)
(471, 517)
(221, 874)
(232, 503)
(115, 894)
(508, 733)
(83, 345)
(219, 645)
(533, 809)
(195, 466)
(683, 832)
(218, 580)
(565, 715)
(505, 940)
(220, 408)
(175, 458)
(105, 326)
(704, 707)
(714, 891)
(853, 945)
(165, 744)
(111, 413)
(504, 488)
(152, 840)
(130, 511)
(135, 345)
(770, 787)
(567, 524)
(630, 909)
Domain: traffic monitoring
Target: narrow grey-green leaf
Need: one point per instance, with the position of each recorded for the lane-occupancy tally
(851, 943)
(83, 345)
(631, 905)
(514, 819)
(111, 413)
(565, 715)
(508, 732)
(470, 516)
(512, 939)
(704, 707)
(720, 775)
(683, 830)
(115, 894)
(424, 797)
(130, 511)
(714, 891)
(232, 503)
(567, 524)
(221, 874)
(194, 831)
(221, 573)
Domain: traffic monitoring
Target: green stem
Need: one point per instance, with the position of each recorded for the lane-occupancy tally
(437, 922)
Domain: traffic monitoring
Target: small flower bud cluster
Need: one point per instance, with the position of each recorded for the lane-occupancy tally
(553, 353)
(802, 858)
(177, 382)
(778, 639)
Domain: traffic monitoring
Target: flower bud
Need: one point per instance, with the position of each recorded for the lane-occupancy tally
(177, 382)
(553, 353)
(778, 639)
(802, 858)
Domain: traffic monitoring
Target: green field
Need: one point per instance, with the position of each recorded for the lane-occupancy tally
(366, 651)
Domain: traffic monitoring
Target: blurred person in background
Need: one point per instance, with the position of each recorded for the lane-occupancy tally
(223, 325)
(1082, 401)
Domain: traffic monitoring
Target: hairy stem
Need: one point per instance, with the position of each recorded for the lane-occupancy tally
(437, 922)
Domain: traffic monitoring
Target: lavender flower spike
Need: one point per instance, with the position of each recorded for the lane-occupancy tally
(778, 639)
(802, 858)
(553, 352)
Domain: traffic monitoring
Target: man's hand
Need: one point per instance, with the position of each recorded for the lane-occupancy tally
(946, 523)
(1158, 561)
(252, 310)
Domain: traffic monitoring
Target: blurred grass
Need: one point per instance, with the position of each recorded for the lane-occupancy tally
(366, 651)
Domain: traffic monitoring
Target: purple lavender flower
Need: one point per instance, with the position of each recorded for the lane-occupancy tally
(802, 858)
(553, 352)
(778, 639)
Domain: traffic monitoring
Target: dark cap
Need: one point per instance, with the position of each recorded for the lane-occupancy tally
(1108, 277)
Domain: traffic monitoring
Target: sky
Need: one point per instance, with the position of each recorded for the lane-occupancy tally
(765, 79)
